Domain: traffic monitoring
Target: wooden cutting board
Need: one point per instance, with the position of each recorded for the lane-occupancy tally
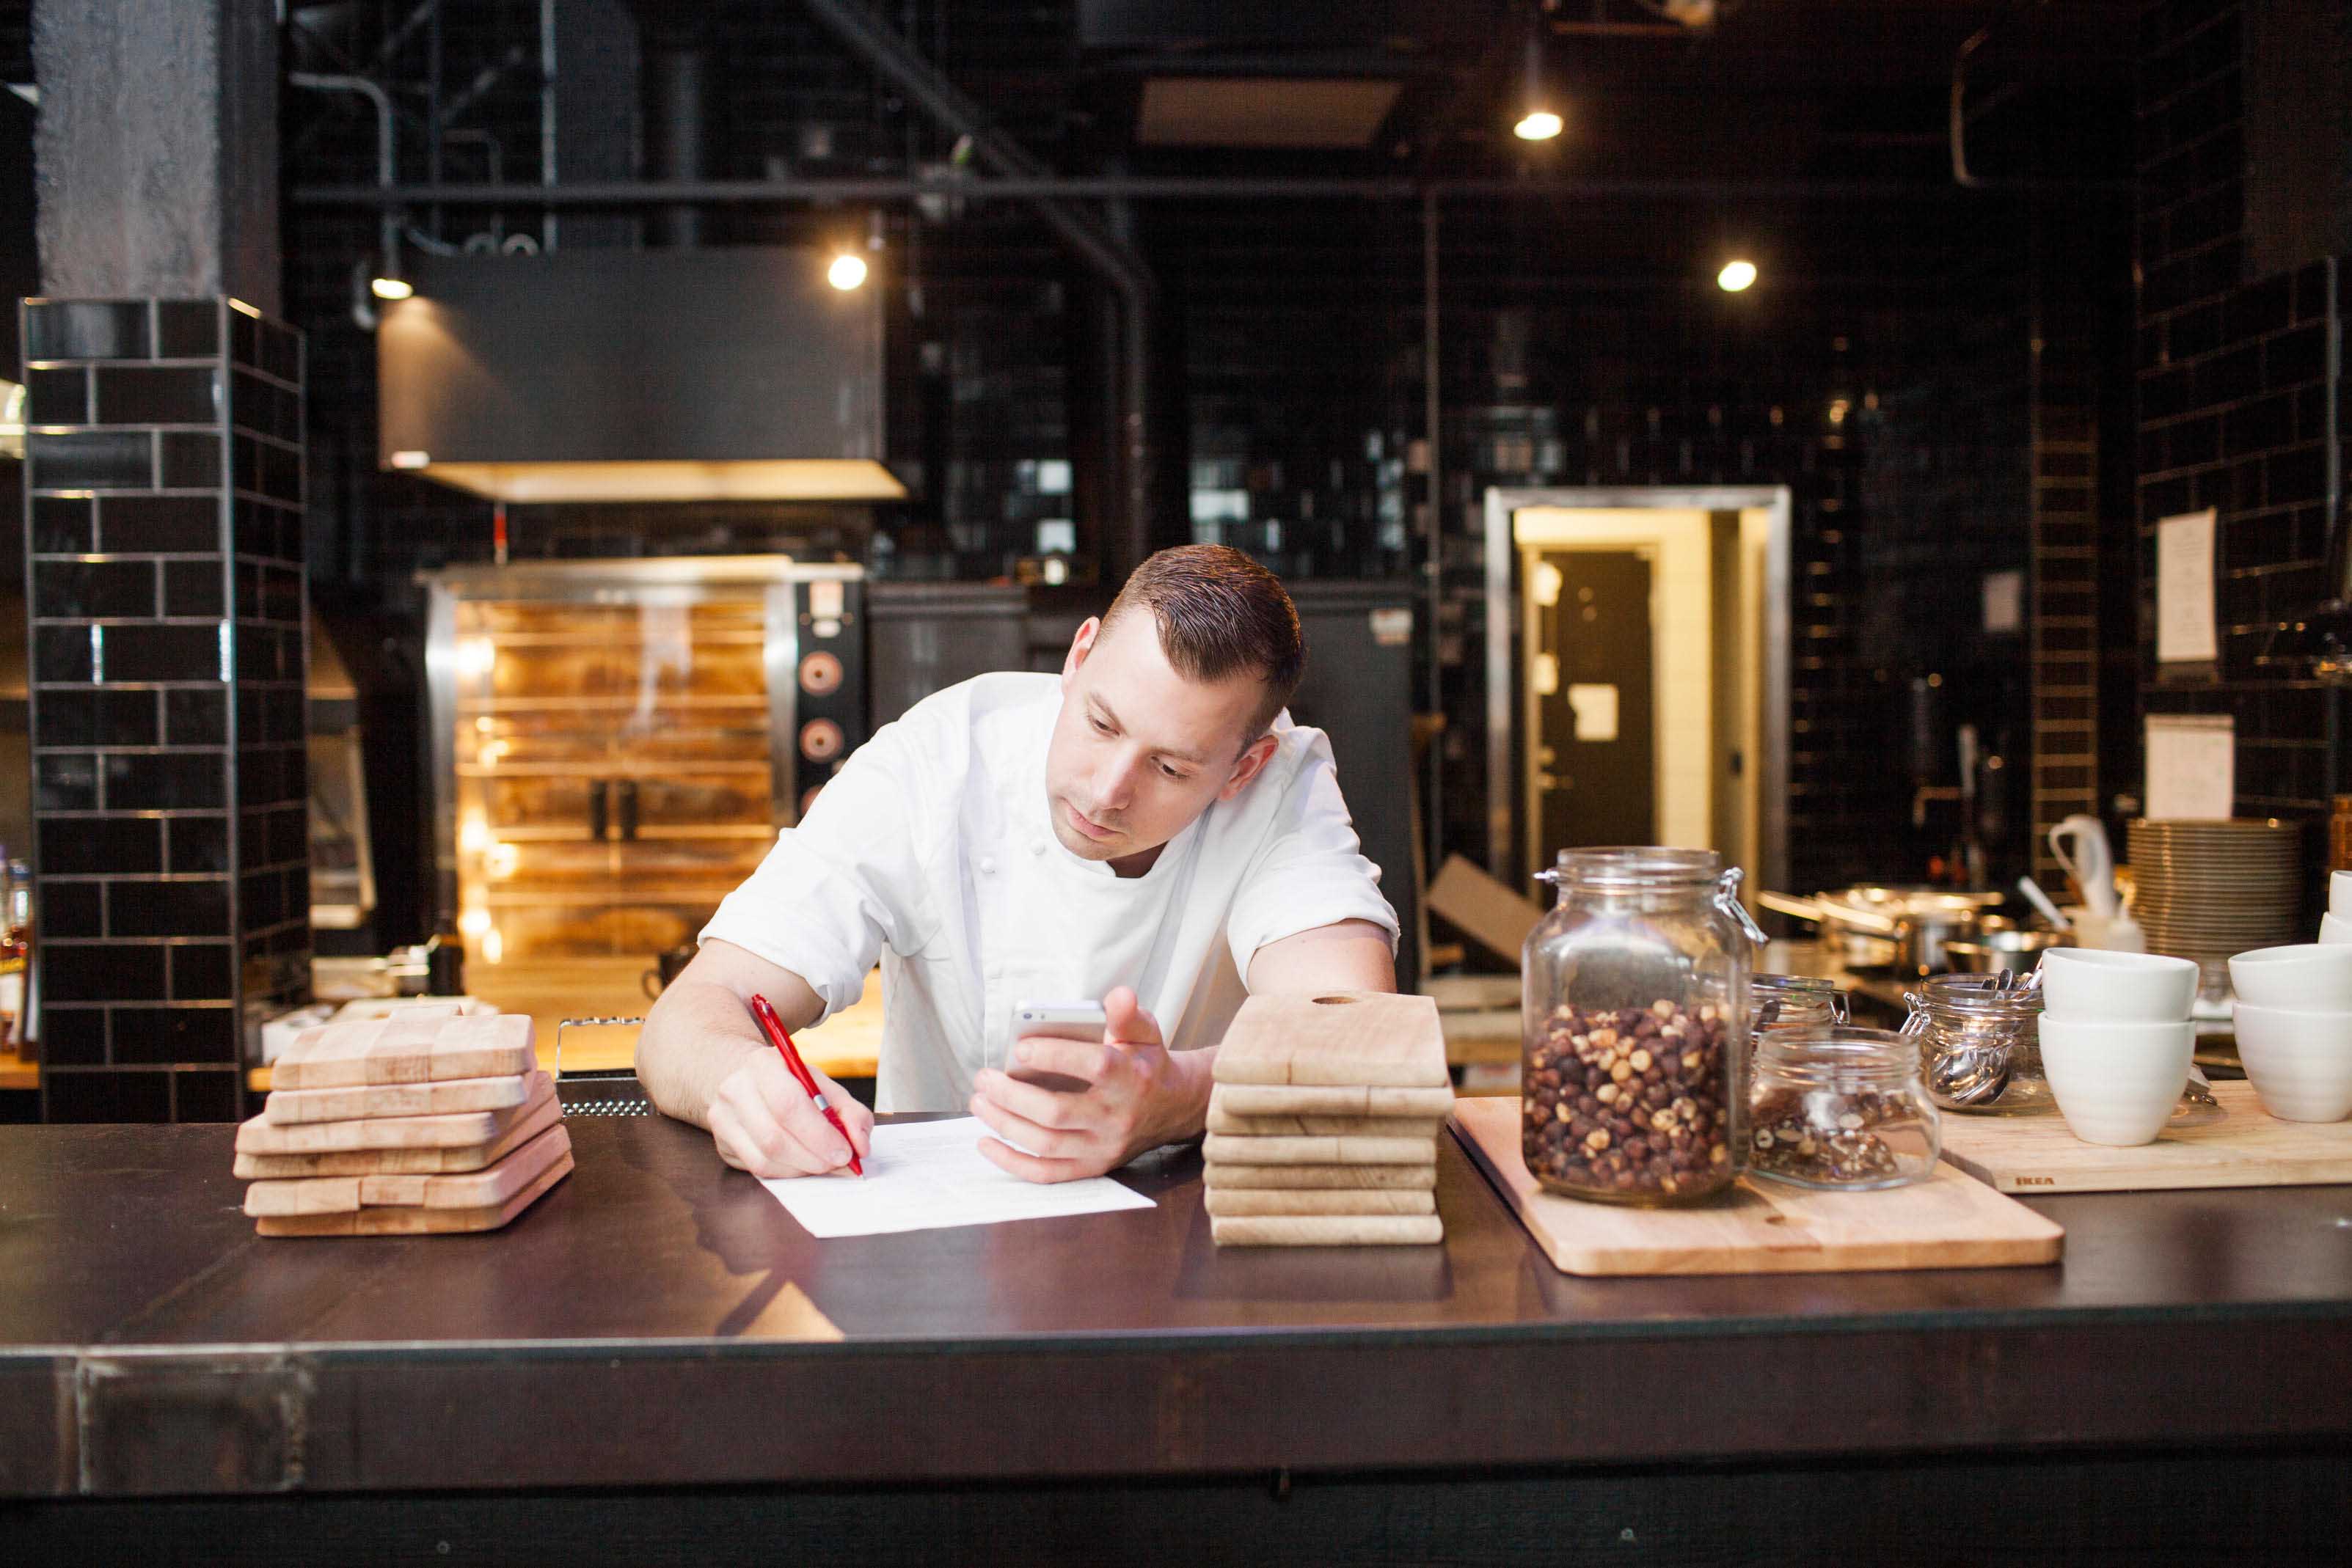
(1422, 1128)
(440, 1098)
(1948, 1221)
(1258, 1178)
(466, 1189)
(2245, 1146)
(1220, 1200)
(465, 1130)
(1330, 1100)
(539, 1116)
(1326, 1229)
(1231, 1149)
(416, 1221)
(416, 1046)
(1339, 1038)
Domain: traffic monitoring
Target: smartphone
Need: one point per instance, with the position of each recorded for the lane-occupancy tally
(1061, 1021)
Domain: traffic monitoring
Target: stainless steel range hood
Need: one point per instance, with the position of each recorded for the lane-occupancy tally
(737, 374)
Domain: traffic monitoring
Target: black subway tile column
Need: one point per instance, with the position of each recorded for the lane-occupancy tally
(163, 534)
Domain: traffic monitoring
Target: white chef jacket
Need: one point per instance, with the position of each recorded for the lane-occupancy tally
(933, 849)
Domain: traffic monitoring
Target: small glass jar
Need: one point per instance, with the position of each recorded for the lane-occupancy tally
(1795, 1001)
(1841, 1108)
(1634, 1028)
(1980, 1045)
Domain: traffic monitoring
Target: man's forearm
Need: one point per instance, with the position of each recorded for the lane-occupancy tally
(700, 1032)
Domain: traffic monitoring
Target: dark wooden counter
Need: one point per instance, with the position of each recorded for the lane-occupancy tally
(648, 1325)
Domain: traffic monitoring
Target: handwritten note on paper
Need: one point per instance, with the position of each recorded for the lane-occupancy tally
(928, 1175)
(2184, 589)
(2192, 766)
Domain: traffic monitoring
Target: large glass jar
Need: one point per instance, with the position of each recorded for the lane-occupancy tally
(1841, 1108)
(1633, 1072)
(1980, 1045)
(1794, 1001)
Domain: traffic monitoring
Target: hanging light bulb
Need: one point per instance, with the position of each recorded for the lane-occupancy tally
(847, 271)
(1539, 120)
(1737, 274)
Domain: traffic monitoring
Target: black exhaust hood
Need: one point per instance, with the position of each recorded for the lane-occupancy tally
(616, 375)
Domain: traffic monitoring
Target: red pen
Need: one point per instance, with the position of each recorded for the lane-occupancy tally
(778, 1036)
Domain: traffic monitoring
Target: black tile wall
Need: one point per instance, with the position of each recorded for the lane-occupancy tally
(2234, 397)
(164, 545)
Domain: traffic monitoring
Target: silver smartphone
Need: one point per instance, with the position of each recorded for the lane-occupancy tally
(1060, 1021)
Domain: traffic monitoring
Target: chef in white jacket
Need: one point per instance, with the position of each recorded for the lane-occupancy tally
(1148, 829)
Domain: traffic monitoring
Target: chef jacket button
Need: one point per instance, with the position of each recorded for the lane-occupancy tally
(988, 865)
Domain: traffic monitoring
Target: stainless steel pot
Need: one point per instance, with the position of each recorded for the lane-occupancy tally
(1990, 952)
(1877, 927)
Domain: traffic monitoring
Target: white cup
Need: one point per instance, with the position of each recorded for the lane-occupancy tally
(2312, 976)
(2116, 1083)
(2092, 983)
(2299, 1061)
(2334, 927)
(2339, 894)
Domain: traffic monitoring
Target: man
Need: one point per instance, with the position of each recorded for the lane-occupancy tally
(1148, 829)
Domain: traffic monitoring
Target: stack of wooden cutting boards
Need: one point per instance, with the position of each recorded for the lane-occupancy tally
(1323, 1121)
(426, 1121)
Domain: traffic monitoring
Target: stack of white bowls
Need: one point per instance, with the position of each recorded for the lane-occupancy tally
(2294, 1016)
(2117, 1040)
(2335, 925)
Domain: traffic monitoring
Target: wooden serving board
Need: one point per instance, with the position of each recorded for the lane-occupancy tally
(1326, 1229)
(541, 1114)
(416, 1221)
(1229, 1148)
(417, 1045)
(464, 1190)
(286, 1107)
(1948, 1221)
(2244, 1146)
(1330, 1100)
(464, 1129)
(1346, 1038)
(1317, 1178)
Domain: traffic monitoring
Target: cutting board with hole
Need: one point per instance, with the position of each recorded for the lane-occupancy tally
(419, 1045)
(1948, 1221)
(2245, 1145)
(1339, 1038)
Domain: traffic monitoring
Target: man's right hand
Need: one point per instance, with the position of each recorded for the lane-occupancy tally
(764, 1122)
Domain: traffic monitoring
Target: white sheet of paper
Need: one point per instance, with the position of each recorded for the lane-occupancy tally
(2192, 767)
(2184, 589)
(927, 1175)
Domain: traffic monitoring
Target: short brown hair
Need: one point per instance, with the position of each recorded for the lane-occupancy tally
(1220, 614)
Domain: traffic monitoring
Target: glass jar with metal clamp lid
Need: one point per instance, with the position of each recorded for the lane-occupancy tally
(1841, 1108)
(1635, 1068)
(1796, 1001)
(1979, 1044)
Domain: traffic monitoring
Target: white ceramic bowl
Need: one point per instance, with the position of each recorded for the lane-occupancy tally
(2333, 929)
(2116, 1083)
(2092, 984)
(2339, 894)
(2312, 976)
(2300, 1063)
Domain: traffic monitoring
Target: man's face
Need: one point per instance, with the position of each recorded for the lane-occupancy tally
(1140, 751)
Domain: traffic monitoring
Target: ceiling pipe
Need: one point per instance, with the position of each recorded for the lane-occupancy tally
(677, 74)
(895, 61)
(1142, 187)
(387, 164)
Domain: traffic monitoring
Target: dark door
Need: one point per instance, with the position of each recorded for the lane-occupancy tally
(1595, 760)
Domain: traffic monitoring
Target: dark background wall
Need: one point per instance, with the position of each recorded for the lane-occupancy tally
(2237, 386)
(1892, 367)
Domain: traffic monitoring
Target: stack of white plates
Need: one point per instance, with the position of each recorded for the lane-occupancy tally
(2209, 889)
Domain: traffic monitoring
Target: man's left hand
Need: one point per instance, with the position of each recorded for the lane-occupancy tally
(1139, 1095)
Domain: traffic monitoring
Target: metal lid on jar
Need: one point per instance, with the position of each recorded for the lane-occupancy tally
(1633, 866)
